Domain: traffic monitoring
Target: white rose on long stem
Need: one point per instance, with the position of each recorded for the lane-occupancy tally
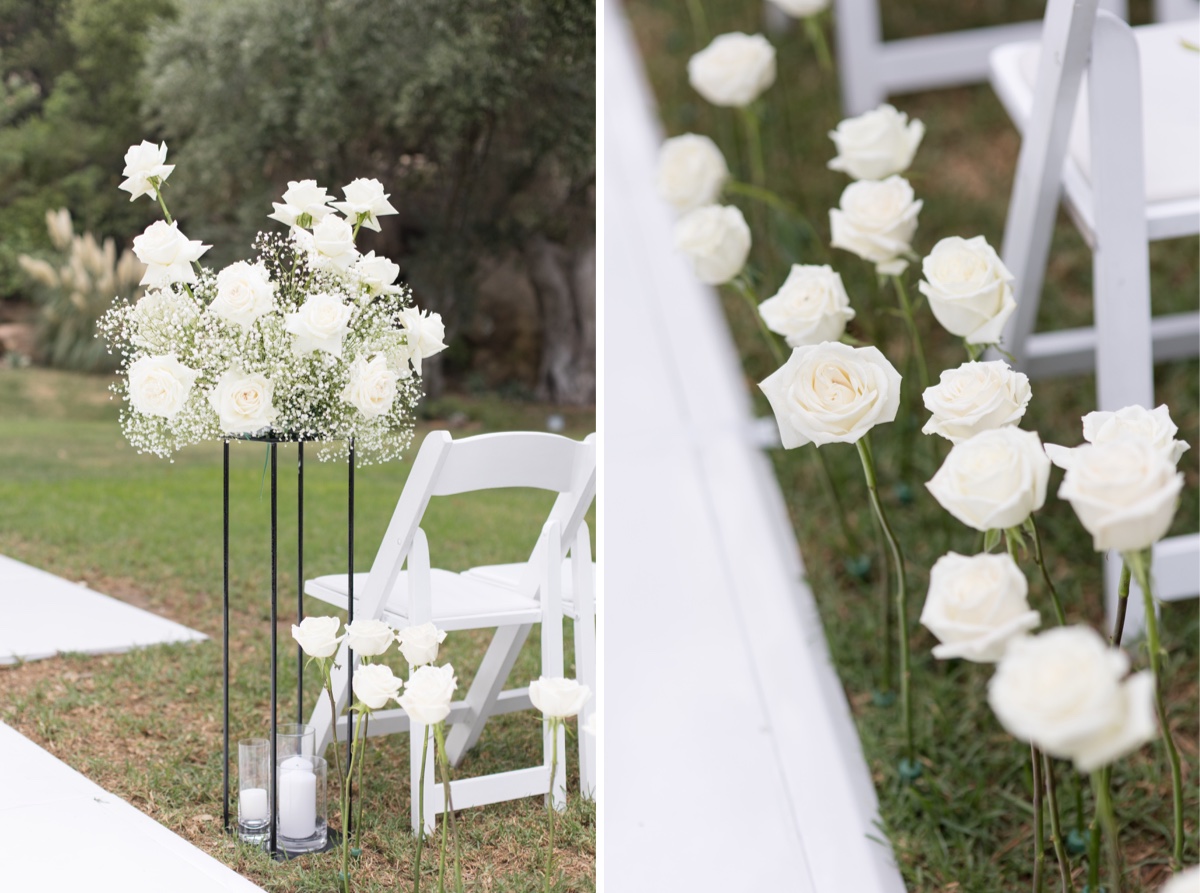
(375, 685)
(372, 386)
(304, 204)
(876, 144)
(1133, 422)
(810, 307)
(428, 694)
(691, 171)
(976, 397)
(160, 385)
(557, 697)
(167, 253)
(369, 638)
(365, 198)
(419, 644)
(333, 243)
(802, 9)
(1065, 691)
(318, 636)
(876, 219)
(716, 239)
(424, 333)
(969, 289)
(995, 480)
(1124, 492)
(976, 605)
(244, 293)
(733, 70)
(832, 393)
(145, 164)
(242, 402)
(320, 324)
(377, 274)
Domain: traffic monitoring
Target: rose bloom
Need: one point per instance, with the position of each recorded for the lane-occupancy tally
(375, 685)
(424, 334)
(1187, 881)
(377, 274)
(810, 307)
(995, 480)
(802, 9)
(365, 197)
(876, 144)
(369, 638)
(303, 199)
(318, 636)
(691, 171)
(716, 239)
(1154, 426)
(832, 393)
(1066, 692)
(244, 293)
(976, 397)
(167, 253)
(733, 70)
(160, 385)
(428, 694)
(143, 163)
(372, 386)
(242, 402)
(320, 324)
(557, 697)
(969, 289)
(876, 220)
(976, 605)
(333, 242)
(419, 644)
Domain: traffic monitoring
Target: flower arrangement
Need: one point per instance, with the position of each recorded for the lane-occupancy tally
(310, 340)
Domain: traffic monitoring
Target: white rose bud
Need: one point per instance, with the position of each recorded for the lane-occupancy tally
(976, 397)
(802, 9)
(424, 334)
(1124, 492)
(557, 697)
(976, 605)
(333, 243)
(145, 163)
(691, 171)
(377, 274)
(876, 219)
(160, 385)
(969, 289)
(244, 293)
(318, 636)
(369, 638)
(167, 253)
(733, 70)
(810, 307)
(242, 402)
(1187, 881)
(1065, 691)
(428, 694)
(717, 240)
(419, 644)
(367, 199)
(1133, 422)
(372, 386)
(320, 324)
(995, 480)
(832, 393)
(304, 204)
(375, 685)
(876, 144)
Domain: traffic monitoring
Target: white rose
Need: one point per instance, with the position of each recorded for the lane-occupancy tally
(691, 171)
(369, 638)
(304, 204)
(428, 693)
(810, 307)
(1065, 691)
(717, 240)
(318, 636)
(167, 253)
(876, 144)
(333, 243)
(160, 385)
(145, 165)
(976, 397)
(832, 393)
(557, 697)
(242, 402)
(375, 685)
(419, 644)
(320, 324)
(1187, 881)
(244, 293)
(976, 605)
(995, 480)
(876, 219)
(372, 386)
(365, 198)
(377, 274)
(1124, 492)
(424, 334)
(802, 9)
(969, 289)
(1134, 422)
(734, 69)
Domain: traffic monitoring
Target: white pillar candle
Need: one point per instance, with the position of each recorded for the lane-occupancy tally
(252, 805)
(297, 799)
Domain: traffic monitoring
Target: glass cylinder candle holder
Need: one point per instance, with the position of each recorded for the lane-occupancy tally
(254, 789)
(294, 740)
(302, 825)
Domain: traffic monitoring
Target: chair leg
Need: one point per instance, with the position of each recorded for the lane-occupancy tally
(859, 47)
(416, 735)
(552, 662)
(489, 681)
(585, 653)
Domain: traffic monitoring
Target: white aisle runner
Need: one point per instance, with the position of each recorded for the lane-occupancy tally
(730, 760)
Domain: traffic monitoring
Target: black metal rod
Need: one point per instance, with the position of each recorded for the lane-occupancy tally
(274, 637)
(300, 578)
(225, 639)
(350, 652)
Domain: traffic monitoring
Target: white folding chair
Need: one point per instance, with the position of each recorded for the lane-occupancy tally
(1125, 163)
(453, 601)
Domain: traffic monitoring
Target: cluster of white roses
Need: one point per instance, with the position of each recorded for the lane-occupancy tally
(313, 340)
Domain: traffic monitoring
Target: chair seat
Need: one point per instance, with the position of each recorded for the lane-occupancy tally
(1170, 107)
(459, 602)
(509, 576)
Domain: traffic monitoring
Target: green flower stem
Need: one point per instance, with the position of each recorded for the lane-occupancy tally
(440, 739)
(783, 206)
(911, 322)
(1039, 832)
(1140, 565)
(758, 168)
(1039, 557)
(1122, 604)
(162, 204)
(366, 723)
(1093, 875)
(974, 351)
(816, 36)
(421, 814)
(1056, 835)
(743, 287)
(1108, 820)
(885, 605)
(868, 464)
(355, 757)
(1010, 543)
(699, 21)
(553, 722)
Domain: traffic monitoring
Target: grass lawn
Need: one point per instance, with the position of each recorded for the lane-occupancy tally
(76, 500)
(965, 826)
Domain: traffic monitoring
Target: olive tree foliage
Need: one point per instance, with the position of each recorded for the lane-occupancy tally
(477, 116)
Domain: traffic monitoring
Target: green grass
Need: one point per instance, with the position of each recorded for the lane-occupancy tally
(966, 824)
(76, 500)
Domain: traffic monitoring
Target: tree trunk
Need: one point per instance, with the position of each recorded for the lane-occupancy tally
(565, 282)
